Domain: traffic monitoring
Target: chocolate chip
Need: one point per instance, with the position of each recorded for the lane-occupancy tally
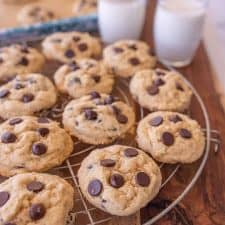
(153, 90)
(18, 86)
(96, 78)
(121, 118)
(118, 50)
(24, 61)
(116, 110)
(15, 121)
(95, 187)
(159, 82)
(1, 60)
(35, 186)
(50, 14)
(37, 211)
(43, 131)
(90, 114)
(130, 152)
(156, 121)
(9, 223)
(134, 61)
(69, 53)
(4, 197)
(132, 47)
(73, 66)
(142, 179)
(160, 73)
(2, 120)
(76, 38)
(107, 163)
(27, 98)
(8, 137)
(24, 49)
(179, 87)
(95, 94)
(167, 139)
(175, 118)
(185, 133)
(116, 181)
(39, 149)
(4, 93)
(109, 100)
(43, 120)
(82, 47)
(75, 80)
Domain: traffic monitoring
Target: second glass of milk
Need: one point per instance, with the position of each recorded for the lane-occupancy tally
(178, 29)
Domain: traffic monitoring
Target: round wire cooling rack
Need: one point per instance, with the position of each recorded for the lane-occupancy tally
(83, 212)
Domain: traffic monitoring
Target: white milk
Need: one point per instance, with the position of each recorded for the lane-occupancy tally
(178, 29)
(121, 19)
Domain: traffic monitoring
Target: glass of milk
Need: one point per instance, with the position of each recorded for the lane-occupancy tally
(121, 19)
(178, 29)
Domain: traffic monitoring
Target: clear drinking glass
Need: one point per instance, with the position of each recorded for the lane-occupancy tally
(178, 28)
(121, 19)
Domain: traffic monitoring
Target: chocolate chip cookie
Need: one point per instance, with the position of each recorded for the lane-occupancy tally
(34, 198)
(30, 144)
(171, 137)
(84, 7)
(119, 179)
(17, 59)
(126, 57)
(81, 77)
(161, 90)
(98, 118)
(34, 13)
(26, 94)
(66, 47)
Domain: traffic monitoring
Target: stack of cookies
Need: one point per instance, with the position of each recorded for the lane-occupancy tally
(117, 179)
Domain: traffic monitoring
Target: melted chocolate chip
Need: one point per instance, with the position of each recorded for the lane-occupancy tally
(9, 223)
(159, 82)
(167, 139)
(35, 186)
(95, 94)
(185, 133)
(24, 61)
(4, 197)
(107, 163)
(75, 80)
(118, 50)
(39, 149)
(156, 121)
(1, 60)
(121, 118)
(160, 73)
(95, 188)
(24, 49)
(15, 121)
(83, 47)
(8, 137)
(69, 53)
(27, 98)
(76, 38)
(96, 78)
(43, 131)
(43, 120)
(179, 87)
(130, 152)
(73, 66)
(132, 47)
(142, 179)
(18, 86)
(134, 61)
(175, 118)
(153, 90)
(4, 93)
(109, 100)
(90, 114)
(116, 181)
(37, 211)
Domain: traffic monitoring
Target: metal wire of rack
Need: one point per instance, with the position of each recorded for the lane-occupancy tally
(87, 212)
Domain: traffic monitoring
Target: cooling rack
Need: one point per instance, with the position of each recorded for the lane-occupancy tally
(86, 214)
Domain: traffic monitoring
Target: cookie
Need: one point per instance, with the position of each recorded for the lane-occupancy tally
(119, 179)
(126, 57)
(66, 47)
(81, 77)
(171, 137)
(98, 118)
(34, 198)
(26, 94)
(84, 7)
(161, 90)
(17, 59)
(31, 144)
(34, 13)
